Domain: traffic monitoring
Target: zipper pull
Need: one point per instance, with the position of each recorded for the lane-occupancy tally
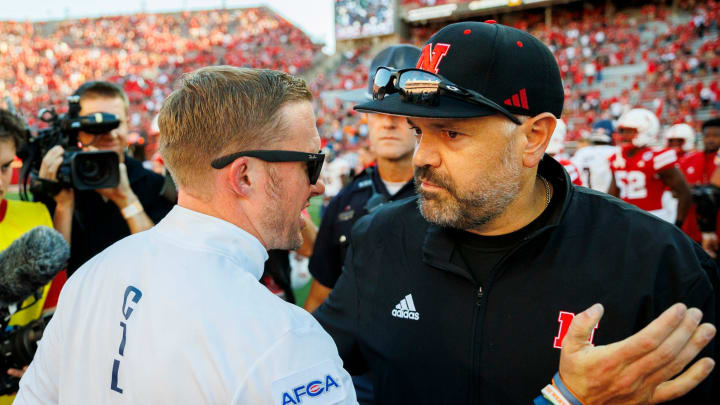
(479, 295)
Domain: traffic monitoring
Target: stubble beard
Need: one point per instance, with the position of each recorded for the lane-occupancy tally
(285, 236)
(486, 201)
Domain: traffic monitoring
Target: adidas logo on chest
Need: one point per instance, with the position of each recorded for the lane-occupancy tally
(406, 309)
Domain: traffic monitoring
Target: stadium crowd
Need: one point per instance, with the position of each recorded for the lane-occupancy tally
(679, 54)
(43, 62)
(410, 4)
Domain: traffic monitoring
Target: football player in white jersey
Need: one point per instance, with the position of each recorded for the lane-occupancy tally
(592, 161)
(556, 149)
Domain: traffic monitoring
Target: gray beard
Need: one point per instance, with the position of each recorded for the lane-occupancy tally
(487, 201)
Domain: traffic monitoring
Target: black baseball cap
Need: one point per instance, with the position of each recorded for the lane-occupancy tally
(506, 65)
(396, 56)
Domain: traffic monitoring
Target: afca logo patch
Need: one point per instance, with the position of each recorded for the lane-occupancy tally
(312, 389)
(318, 384)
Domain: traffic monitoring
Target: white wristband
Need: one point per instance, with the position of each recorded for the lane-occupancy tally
(132, 210)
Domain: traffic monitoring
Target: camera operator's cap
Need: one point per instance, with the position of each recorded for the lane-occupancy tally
(510, 67)
(395, 56)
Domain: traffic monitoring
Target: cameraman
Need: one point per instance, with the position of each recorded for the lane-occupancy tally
(95, 219)
(16, 218)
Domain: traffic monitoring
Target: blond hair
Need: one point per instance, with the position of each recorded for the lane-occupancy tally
(222, 109)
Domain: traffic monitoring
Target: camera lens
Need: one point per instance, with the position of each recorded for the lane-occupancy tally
(90, 168)
(93, 170)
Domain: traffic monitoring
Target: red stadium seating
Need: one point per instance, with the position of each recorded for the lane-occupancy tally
(638, 57)
(42, 63)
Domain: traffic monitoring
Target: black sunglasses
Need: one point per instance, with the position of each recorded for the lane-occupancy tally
(421, 87)
(314, 160)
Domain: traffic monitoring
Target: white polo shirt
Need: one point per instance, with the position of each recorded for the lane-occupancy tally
(176, 315)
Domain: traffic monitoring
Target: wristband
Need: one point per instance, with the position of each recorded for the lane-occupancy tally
(553, 395)
(541, 400)
(132, 210)
(565, 391)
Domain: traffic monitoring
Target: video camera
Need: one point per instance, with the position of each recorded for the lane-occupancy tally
(707, 201)
(79, 170)
(17, 348)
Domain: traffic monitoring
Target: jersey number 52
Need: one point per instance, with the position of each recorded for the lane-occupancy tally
(631, 183)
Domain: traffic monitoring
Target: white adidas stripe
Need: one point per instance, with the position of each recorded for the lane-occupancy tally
(410, 302)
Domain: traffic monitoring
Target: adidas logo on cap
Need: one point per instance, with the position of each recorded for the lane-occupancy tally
(406, 309)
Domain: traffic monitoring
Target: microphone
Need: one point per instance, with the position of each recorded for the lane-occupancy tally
(30, 262)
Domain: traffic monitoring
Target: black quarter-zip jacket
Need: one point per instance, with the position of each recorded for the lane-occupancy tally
(409, 313)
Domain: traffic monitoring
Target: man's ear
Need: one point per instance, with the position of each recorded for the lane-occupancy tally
(538, 131)
(239, 177)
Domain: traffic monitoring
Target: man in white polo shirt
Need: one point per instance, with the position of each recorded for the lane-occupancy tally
(176, 314)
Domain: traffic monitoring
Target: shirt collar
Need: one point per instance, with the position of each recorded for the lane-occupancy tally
(214, 235)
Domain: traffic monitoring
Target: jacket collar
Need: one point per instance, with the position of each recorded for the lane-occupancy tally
(215, 236)
(135, 169)
(439, 246)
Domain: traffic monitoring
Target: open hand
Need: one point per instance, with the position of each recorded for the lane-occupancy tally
(637, 370)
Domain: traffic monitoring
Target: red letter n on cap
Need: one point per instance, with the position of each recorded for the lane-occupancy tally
(431, 57)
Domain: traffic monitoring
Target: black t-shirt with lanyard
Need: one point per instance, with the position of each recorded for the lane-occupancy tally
(482, 253)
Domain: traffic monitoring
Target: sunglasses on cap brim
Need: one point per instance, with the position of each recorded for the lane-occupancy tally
(314, 161)
(421, 87)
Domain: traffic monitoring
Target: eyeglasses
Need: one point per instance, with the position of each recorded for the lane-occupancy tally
(314, 161)
(420, 87)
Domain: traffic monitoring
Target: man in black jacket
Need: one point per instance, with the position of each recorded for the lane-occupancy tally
(467, 293)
